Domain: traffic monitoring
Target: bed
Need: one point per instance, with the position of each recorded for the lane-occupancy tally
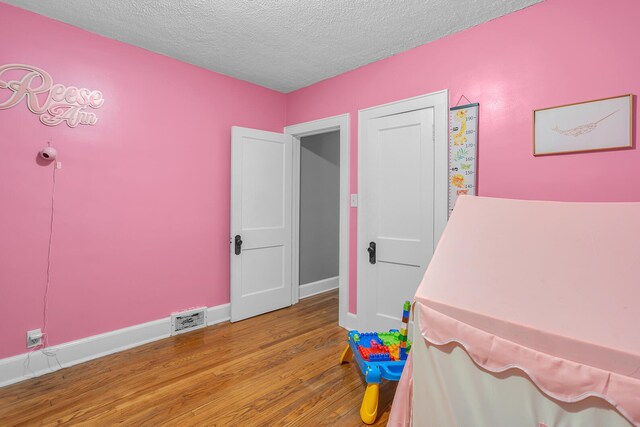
(527, 316)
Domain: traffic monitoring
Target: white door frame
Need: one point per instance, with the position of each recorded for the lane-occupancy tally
(329, 124)
(440, 102)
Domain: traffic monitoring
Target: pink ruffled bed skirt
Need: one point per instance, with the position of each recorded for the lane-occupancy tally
(558, 378)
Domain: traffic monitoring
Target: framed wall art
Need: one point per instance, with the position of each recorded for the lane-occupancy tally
(602, 124)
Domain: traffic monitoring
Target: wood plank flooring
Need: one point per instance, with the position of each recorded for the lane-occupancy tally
(278, 369)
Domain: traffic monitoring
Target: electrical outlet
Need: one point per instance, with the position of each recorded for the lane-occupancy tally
(34, 338)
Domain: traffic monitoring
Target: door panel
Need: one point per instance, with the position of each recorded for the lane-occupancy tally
(398, 168)
(388, 291)
(263, 183)
(261, 167)
(398, 208)
(259, 270)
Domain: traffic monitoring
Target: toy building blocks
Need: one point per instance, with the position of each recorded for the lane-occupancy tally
(379, 355)
(403, 331)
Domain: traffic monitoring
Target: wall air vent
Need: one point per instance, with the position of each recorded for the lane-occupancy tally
(189, 320)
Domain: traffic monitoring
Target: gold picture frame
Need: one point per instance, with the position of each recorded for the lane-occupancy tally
(597, 125)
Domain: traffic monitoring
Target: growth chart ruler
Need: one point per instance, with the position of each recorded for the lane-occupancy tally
(463, 151)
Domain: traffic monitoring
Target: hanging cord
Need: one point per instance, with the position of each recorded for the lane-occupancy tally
(43, 346)
(460, 99)
(49, 252)
(45, 337)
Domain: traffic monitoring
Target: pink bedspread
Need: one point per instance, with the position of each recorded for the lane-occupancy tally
(547, 287)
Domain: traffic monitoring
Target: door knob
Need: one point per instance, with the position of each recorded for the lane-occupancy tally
(372, 252)
(238, 241)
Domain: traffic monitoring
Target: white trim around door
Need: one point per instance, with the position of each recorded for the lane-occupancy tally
(439, 101)
(329, 124)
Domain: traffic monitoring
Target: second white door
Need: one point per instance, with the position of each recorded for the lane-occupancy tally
(397, 203)
(261, 169)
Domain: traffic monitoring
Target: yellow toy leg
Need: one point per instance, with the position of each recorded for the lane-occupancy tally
(369, 408)
(347, 355)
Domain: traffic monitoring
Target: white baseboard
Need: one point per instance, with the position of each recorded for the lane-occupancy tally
(351, 322)
(218, 314)
(15, 369)
(315, 288)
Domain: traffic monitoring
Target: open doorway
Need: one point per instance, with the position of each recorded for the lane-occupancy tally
(321, 201)
(319, 226)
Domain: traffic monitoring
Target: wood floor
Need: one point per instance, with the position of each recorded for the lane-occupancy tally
(278, 369)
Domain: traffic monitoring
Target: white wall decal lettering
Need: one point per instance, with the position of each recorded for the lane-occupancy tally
(54, 103)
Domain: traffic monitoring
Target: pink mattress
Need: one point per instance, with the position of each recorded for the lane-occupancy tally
(550, 288)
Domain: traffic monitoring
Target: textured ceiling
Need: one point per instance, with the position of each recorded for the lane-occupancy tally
(280, 44)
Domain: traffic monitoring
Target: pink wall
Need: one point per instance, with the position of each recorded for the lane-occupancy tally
(142, 199)
(556, 52)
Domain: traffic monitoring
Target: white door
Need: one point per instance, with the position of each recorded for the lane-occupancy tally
(261, 167)
(397, 208)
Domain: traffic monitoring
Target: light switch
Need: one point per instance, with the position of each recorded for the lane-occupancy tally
(354, 200)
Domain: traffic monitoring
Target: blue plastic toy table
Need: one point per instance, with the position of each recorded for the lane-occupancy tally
(372, 345)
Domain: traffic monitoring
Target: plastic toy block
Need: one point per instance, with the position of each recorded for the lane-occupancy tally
(394, 352)
(390, 338)
(376, 353)
(368, 335)
(364, 352)
(377, 348)
(403, 353)
(379, 357)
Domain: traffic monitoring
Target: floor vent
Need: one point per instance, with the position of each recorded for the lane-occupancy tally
(190, 320)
